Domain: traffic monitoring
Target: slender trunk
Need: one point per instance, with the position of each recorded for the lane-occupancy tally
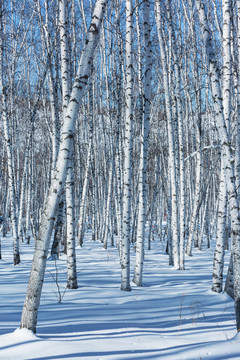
(128, 148)
(8, 144)
(170, 128)
(221, 234)
(70, 203)
(30, 309)
(138, 272)
(226, 156)
(71, 252)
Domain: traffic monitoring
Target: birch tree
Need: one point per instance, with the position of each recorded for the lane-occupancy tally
(138, 273)
(227, 155)
(70, 201)
(8, 143)
(222, 212)
(170, 130)
(128, 148)
(32, 300)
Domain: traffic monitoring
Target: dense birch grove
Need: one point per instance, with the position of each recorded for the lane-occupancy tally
(122, 119)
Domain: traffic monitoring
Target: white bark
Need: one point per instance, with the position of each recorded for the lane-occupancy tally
(84, 194)
(170, 129)
(237, 153)
(70, 208)
(70, 203)
(30, 309)
(226, 156)
(222, 211)
(138, 272)
(221, 235)
(181, 155)
(128, 147)
(8, 144)
(194, 215)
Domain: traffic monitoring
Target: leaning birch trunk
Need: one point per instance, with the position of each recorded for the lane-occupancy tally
(128, 147)
(226, 156)
(30, 308)
(8, 143)
(58, 231)
(138, 271)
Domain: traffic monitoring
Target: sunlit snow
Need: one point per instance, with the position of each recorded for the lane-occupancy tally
(175, 315)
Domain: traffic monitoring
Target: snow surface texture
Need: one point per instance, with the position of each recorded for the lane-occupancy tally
(174, 316)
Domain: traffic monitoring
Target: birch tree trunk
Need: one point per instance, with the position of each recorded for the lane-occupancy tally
(71, 249)
(222, 211)
(128, 148)
(227, 155)
(8, 144)
(30, 309)
(181, 155)
(237, 155)
(70, 203)
(170, 127)
(221, 235)
(138, 272)
(84, 194)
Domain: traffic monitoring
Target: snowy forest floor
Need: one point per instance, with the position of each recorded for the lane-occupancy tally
(174, 316)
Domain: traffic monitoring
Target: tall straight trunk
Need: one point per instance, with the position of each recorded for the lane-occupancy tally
(64, 46)
(108, 205)
(226, 155)
(70, 203)
(128, 148)
(222, 211)
(81, 219)
(71, 249)
(8, 144)
(181, 155)
(154, 199)
(46, 39)
(138, 272)
(237, 154)
(221, 236)
(119, 154)
(30, 309)
(23, 194)
(227, 61)
(195, 212)
(28, 204)
(205, 221)
(170, 129)
(169, 248)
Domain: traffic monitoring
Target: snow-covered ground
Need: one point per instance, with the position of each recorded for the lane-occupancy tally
(174, 316)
